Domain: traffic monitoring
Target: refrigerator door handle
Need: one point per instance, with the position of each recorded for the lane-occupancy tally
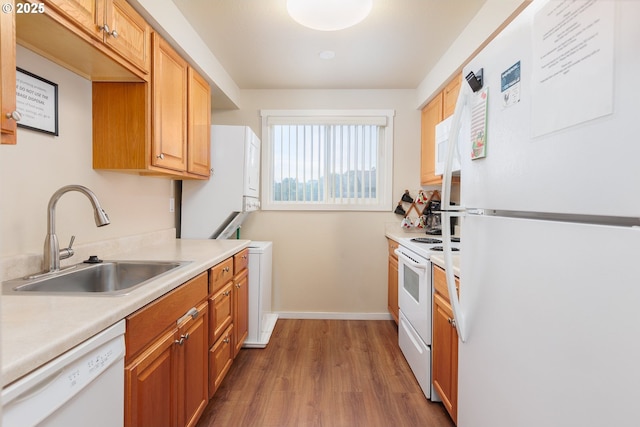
(458, 314)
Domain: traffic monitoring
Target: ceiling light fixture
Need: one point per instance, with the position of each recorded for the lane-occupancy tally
(329, 15)
(327, 54)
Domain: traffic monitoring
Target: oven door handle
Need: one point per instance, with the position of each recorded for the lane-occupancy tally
(409, 261)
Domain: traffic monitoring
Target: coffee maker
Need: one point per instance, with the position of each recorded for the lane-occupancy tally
(434, 219)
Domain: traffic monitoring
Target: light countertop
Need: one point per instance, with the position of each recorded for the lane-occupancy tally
(36, 329)
(394, 232)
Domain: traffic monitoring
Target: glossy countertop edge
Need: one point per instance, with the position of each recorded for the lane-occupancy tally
(36, 329)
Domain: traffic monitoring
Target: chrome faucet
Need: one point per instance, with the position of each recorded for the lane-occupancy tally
(52, 252)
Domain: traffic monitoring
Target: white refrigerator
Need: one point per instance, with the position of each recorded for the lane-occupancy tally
(548, 314)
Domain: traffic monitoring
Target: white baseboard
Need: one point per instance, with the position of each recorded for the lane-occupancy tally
(333, 315)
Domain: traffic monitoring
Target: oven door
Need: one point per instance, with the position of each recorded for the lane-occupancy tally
(414, 291)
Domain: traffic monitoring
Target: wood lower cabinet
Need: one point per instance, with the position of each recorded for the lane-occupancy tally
(8, 75)
(444, 347)
(392, 297)
(166, 366)
(228, 314)
(438, 109)
(240, 310)
(220, 360)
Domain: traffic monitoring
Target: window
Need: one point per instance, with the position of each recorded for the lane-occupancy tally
(327, 160)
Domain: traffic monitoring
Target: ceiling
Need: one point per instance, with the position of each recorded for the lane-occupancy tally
(395, 47)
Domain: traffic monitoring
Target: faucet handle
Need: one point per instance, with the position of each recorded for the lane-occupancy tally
(67, 252)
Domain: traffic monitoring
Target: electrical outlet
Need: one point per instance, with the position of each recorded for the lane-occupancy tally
(172, 204)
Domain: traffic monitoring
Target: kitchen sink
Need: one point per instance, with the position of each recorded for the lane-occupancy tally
(104, 278)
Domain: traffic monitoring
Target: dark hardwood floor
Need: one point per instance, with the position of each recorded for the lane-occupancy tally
(331, 373)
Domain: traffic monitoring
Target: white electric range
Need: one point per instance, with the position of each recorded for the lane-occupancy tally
(415, 290)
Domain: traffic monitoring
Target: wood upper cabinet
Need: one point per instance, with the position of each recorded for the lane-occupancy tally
(444, 345)
(450, 96)
(169, 107)
(431, 116)
(199, 124)
(158, 128)
(166, 365)
(392, 297)
(112, 22)
(439, 108)
(8, 76)
(129, 34)
(87, 15)
(101, 40)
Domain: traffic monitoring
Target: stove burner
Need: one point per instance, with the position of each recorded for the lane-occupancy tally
(425, 240)
(440, 249)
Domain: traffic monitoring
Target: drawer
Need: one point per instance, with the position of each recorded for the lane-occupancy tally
(220, 274)
(440, 282)
(220, 312)
(393, 245)
(240, 261)
(151, 320)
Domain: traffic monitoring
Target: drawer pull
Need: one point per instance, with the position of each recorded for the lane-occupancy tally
(193, 313)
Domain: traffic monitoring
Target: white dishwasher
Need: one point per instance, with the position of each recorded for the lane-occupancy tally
(82, 387)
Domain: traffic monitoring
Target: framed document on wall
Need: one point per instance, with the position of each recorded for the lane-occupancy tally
(37, 102)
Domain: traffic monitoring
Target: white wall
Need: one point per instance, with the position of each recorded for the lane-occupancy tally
(332, 264)
(32, 170)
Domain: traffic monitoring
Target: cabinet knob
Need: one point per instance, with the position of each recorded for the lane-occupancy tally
(105, 28)
(226, 293)
(238, 285)
(160, 156)
(226, 340)
(226, 269)
(15, 115)
(182, 339)
(114, 34)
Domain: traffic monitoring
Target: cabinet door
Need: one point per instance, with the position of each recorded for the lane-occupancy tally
(431, 116)
(88, 15)
(8, 75)
(445, 355)
(450, 96)
(199, 130)
(241, 310)
(169, 107)
(220, 312)
(150, 385)
(193, 385)
(130, 34)
(392, 297)
(220, 359)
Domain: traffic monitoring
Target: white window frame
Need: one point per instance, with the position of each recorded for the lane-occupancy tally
(385, 155)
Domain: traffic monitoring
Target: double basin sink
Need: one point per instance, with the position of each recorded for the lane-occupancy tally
(102, 278)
